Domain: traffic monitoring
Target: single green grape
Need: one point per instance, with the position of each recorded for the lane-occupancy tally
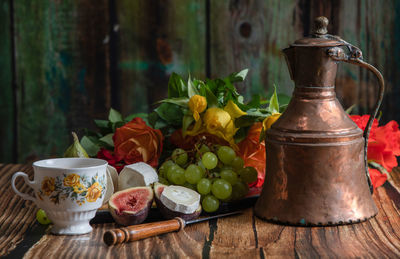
(229, 175)
(210, 203)
(171, 170)
(221, 189)
(248, 174)
(226, 154)
(239, 190)
(193, 174)
(204, 186)
(203, 149)
(42, 218)
(209, 160)
(180, 156)
(201, 166)
(237, 163)
(177, 176)
(162, 171)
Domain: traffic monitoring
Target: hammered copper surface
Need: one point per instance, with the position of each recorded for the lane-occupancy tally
(316, 155)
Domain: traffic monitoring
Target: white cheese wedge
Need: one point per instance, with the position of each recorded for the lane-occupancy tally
(180, 199)
(135, 175)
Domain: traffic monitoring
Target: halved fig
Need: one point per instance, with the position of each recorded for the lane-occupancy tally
(138, 174)
(177, 201)
(131, 206)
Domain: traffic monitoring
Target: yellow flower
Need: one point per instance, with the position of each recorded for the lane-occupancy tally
(94, 192)
(233, 110)
(267, 123)
(72, 180)
(197, 104)
(219, 122)
(79, 188)
(48, 185)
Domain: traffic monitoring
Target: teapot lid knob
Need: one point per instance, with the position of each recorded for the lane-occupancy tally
(320, 26)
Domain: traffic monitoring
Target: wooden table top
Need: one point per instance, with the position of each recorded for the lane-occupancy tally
(243, 235)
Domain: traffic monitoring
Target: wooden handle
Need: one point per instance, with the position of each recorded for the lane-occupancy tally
(137, 232)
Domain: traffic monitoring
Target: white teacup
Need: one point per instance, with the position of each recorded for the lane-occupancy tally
(70, 190)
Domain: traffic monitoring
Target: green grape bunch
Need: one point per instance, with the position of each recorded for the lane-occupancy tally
(214, 171)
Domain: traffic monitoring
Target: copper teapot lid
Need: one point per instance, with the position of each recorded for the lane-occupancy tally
(319, 36)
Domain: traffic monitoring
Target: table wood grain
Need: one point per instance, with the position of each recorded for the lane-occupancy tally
(244, 235)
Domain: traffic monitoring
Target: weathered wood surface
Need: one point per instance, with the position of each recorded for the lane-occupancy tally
(156, 38)
(7, 112)
(61, 65)
(237, 236)
(76, 59)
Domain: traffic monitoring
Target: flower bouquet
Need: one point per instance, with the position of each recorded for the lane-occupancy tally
(203, 136)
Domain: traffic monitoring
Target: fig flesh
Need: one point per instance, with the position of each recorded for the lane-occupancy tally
(177, 211)
(138, 174)
(131, 206)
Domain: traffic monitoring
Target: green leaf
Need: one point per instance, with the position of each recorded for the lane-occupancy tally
(348, 110)
(108, 139)
(176, 86)
(90, 147)
(181, 101)
(187, 120)
(245, 121)
(255, 101)
(153, 117)
(239, 76)
(212, 100)
(114, 116)
(274, 103)
(191, 88)
(160, 123)
(240, 134)
(171, 113)
(211, 85)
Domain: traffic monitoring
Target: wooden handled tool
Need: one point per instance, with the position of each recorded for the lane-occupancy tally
(138, 232)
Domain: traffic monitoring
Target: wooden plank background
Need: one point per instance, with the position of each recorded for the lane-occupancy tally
(64, 63)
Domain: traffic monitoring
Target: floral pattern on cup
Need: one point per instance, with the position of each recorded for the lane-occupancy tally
(78, 188)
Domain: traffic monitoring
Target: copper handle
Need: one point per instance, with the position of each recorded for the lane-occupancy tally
(138, 232)
(355, 57)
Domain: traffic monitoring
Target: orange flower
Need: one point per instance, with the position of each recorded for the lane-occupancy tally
(93, 192)
(137, 142)
(72, 180)
(253, 152)
(48, 185)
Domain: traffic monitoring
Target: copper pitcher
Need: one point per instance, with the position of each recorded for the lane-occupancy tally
(316, 167)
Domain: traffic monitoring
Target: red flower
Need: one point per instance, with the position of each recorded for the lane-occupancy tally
(377, 178)
(137, 142)
(253, 152)
(111, 159)
(383, 146)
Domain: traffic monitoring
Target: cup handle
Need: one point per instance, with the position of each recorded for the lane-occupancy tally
(355, 58)
(26, 180)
